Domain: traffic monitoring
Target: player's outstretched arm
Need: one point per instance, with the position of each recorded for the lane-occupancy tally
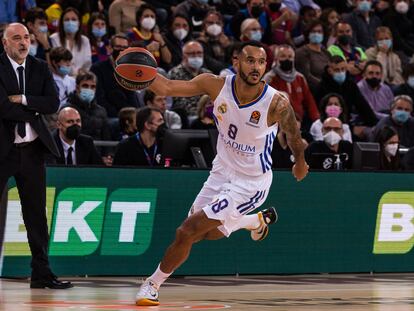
(205, 83)
(286, 117)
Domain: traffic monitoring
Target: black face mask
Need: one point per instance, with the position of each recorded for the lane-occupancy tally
(286, 65)
(73, 131)
(256, 11)
(274, 7)
(344, 39)
(373, 82)
(161, 131)
(115, 54)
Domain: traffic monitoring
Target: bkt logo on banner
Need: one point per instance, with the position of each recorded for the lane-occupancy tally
(83, 219)
(394, 233)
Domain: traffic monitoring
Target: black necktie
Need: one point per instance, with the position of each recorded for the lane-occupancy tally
(21, 126)
(69, 160)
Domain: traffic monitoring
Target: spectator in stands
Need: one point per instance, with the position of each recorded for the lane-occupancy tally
(400, 119)
(127, 122)
(408, 87)
(329, 19)
(143, 148)
(109, 93)
(344, 47)
(94, 117)
(312, 58)
(122, 14)
(378, 95)
(147, 34)
(331, 105)
(333, 143)
(296, 5)
(36, 22)
(177, 35)
(172, 119)
(234, 52)
(408, 161)
(74, 147)
(336, 80)
(363, 22)
(98, 37)
(190, 67)
(282, 20)
(54, 12)
(383, 52)
(307, 15)
(194, 9)
(284, 77)
(382, 7)
(214, 42)
(388, 140)
(205, 120)
(70, 36)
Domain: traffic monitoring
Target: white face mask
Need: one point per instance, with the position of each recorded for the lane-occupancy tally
(148, 23)
(214, 30)
(391, 149)
(180, 33)
(332, 138)
(402, 7)
(195, 62)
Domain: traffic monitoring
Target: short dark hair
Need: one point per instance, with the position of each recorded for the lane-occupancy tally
(140, 12)
(33, 14)
(336, 59)
(372, 63)
(125, 114)
(117, 36)
(60, 53)
(149, 96)
(257, 44)
(85, 75)
(311, 25)
(144, 115)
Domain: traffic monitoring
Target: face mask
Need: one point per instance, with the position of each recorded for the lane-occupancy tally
(333, 111)
(364, 6)
(115, 54)
(86, 95)
(344, 40)
(256, 11)
(161, 131)
(373, 82)
(391, 149)
(148, 23)
(401, 116)
(99, 32)
(255, 35)
(73, 131)
(386, 42)
(286, 65)
(274, 7)
(208, 112)
(63, 70)
(42, 29)
(180, 33)
(71, 26)
(214, 30)
(195, 62)
(402, 7)
(331, 138)
(33, 50)
(315, 37)
(410, 81)
(339, 77)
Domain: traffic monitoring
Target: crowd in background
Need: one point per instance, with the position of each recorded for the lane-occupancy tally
(346, 65)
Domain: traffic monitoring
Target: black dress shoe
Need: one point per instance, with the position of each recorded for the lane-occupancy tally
(53, 283)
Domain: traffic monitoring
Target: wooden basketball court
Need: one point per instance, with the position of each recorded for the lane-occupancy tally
(380, 292)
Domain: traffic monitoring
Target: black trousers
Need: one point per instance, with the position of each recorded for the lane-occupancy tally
(26, 163)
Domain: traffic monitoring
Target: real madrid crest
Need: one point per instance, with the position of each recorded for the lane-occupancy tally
(222, 108)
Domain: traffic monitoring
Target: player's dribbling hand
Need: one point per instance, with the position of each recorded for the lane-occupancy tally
(300, 170)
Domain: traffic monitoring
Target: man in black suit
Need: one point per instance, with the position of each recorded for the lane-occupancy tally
(27, 92)
(74, 148)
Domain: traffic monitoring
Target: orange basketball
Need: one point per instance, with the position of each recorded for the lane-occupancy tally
(135, 68)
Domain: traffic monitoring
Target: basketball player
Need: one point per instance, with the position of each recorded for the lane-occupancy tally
(247, 112)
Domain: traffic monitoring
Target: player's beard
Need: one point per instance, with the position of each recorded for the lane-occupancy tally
(245, 78)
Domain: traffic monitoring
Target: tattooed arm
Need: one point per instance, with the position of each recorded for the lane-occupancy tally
(283, 114)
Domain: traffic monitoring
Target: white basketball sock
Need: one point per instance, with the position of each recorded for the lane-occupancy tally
(159, 277)
(249, 222)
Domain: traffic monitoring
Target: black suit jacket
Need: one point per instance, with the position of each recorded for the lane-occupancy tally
(42, 98)
(86, 153)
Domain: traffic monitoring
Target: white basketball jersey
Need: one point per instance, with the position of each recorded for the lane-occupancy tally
(245, 140)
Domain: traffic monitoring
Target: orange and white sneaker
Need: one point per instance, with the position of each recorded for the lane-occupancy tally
(266, 217)
(147, 294)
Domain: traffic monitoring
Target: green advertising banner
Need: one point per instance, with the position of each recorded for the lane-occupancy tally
(108, 221)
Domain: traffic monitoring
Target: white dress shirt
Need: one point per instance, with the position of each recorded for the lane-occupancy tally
(66, 85)
(66, 147)
(31, 134)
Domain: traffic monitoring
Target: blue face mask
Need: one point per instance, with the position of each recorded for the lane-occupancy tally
(86, 95)
(33, 50)
(71, 26)
(364, 6)
(64, 70)
(315, 37)
(386, 42)
(43, 29)
(401, 116)
(339, 77)
(410, 81)
(255, 35)
(195, 62)
(99, 32)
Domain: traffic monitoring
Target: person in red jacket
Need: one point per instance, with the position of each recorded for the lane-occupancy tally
(285, 78)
